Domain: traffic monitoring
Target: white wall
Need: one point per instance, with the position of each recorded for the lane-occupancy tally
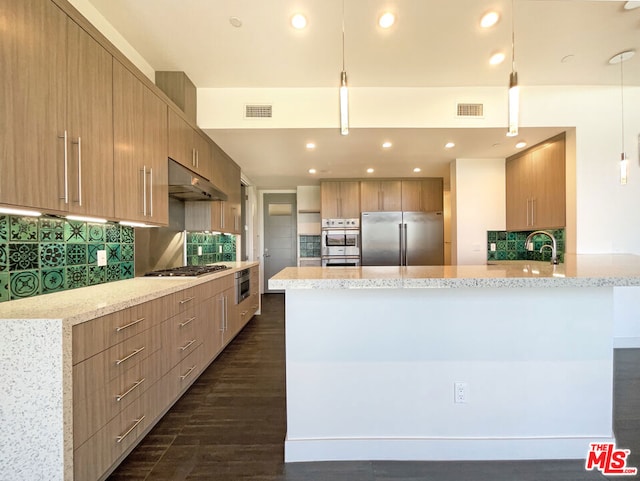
(478, 186)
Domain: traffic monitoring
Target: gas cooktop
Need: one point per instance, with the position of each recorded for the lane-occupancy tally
(187, 271)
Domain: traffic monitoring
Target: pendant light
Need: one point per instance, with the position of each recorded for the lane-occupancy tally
(624, 164)
(514, 89)
(344, 92)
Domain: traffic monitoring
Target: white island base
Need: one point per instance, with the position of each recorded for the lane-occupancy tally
(371, 372)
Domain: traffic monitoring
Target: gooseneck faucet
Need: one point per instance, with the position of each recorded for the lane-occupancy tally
(553, 246)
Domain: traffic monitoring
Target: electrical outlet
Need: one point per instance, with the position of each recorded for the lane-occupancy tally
(530, 246)
(493, 247)
(460, 392)
(101, 257)
(220, 249)
(199, 250)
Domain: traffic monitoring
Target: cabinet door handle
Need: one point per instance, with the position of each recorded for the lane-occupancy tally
(188, 299)
(79, 143)
(187, 345)
(221, 314)
(137, 351)
(533, 212)
(528, 200)
(144, 190)
(182, 324)
(120, 438)
(186, 374)
(120, 397)
(66, 168)
(131, 324)
(150, 191)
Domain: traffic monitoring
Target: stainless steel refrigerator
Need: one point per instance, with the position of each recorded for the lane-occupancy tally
(402, 239)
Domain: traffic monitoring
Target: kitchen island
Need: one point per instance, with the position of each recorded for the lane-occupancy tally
(506, 361)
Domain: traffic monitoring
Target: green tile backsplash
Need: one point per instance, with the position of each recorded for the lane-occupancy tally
(309, 246)
(510, 246)
(39, 255)
(215, 248)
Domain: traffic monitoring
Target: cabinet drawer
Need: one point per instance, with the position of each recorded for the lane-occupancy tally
(180, 336)
(97, 371)
(182, 375)
(182, 301)
(95, 336)
(99, 453)
(92, 412)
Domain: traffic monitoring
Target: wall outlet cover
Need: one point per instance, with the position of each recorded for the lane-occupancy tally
(101, 257)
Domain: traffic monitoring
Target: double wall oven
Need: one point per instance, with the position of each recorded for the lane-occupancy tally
(340, 242)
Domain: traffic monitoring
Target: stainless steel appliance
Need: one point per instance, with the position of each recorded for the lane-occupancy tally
(243, 285)
(186, 185)
(187, 271)
(340, 242)
(402, 239)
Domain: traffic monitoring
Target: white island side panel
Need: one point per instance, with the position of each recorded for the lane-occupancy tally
(370, 373)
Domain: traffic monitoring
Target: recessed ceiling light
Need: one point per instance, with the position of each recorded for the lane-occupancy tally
(489, 19)
(386, 145)
(386, 20)
(567, 58)
(370, 170)
(235, 21)
(497, 58)
(312, 171)
(449, 145)
(311, 145)
(417, 169)
(299, 21)
(631, 5)
(521, 144)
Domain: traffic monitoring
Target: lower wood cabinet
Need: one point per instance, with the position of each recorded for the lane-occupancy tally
(129, 367)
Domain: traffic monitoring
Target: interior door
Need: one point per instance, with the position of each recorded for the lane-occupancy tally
(280, 234)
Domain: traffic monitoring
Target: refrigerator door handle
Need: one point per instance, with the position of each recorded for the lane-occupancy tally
(400, 249)
(404, 247)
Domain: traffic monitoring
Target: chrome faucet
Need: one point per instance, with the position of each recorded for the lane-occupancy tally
(553, 246)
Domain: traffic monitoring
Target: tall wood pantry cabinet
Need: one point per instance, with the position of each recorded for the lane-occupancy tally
(57, 126)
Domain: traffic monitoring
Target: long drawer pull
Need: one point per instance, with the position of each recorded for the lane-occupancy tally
(187, 345)
(120, 361)
(186, 374)
(188, 299)
(182, 324)
(120, 438)
(122, 328)
(120, 397)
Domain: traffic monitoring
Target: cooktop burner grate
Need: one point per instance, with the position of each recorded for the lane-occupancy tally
(187, 271)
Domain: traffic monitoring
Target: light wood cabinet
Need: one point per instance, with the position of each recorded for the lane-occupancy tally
(339, 199)
(535, 187)
(57, 132)
(187, 146)
(422, 195)
(140, 156)
(380, 196)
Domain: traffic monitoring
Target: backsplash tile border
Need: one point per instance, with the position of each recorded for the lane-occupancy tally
(40, 255)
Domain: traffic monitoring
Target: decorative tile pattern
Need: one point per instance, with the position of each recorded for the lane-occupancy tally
(213, 247)
(52, 280)
(511, 246)
(23, 256)
(310, 246)
(76, 254)
(52, 255)
(49, 254)
(51, 229)
(4, 287)
(75, 231)
(95, 232)
(24, 284)
(23, 229)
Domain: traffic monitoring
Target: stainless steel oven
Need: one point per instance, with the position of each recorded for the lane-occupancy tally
(243, 285)
(340, 242)
(340, 261)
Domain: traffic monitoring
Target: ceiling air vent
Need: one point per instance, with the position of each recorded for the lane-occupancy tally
(261, 111)
(470, 110)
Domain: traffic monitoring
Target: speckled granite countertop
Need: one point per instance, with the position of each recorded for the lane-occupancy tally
(577, 271)
(80, 305)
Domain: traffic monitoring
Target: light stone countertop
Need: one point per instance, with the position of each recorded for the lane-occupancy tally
(585, 270)
(80, 305)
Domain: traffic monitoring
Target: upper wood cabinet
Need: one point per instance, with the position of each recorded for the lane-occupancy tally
(187, 146)
(422, 195)
(535, 187)
(57, 125)
(380, 196)
(339, 199)
(140, 156)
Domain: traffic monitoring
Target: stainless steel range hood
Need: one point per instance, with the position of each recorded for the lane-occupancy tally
(186, 185)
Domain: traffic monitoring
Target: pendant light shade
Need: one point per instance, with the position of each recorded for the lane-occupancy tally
(344, 104)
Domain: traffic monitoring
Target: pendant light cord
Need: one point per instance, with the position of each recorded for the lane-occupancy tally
(622, 100)
(343, 35)
(513, 38)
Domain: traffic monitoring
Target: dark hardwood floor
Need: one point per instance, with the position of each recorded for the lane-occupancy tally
(230, 425)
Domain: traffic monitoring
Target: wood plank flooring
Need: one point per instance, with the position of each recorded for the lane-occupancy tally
(231, 424)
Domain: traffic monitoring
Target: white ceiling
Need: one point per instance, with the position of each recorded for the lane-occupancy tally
(433, 43)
